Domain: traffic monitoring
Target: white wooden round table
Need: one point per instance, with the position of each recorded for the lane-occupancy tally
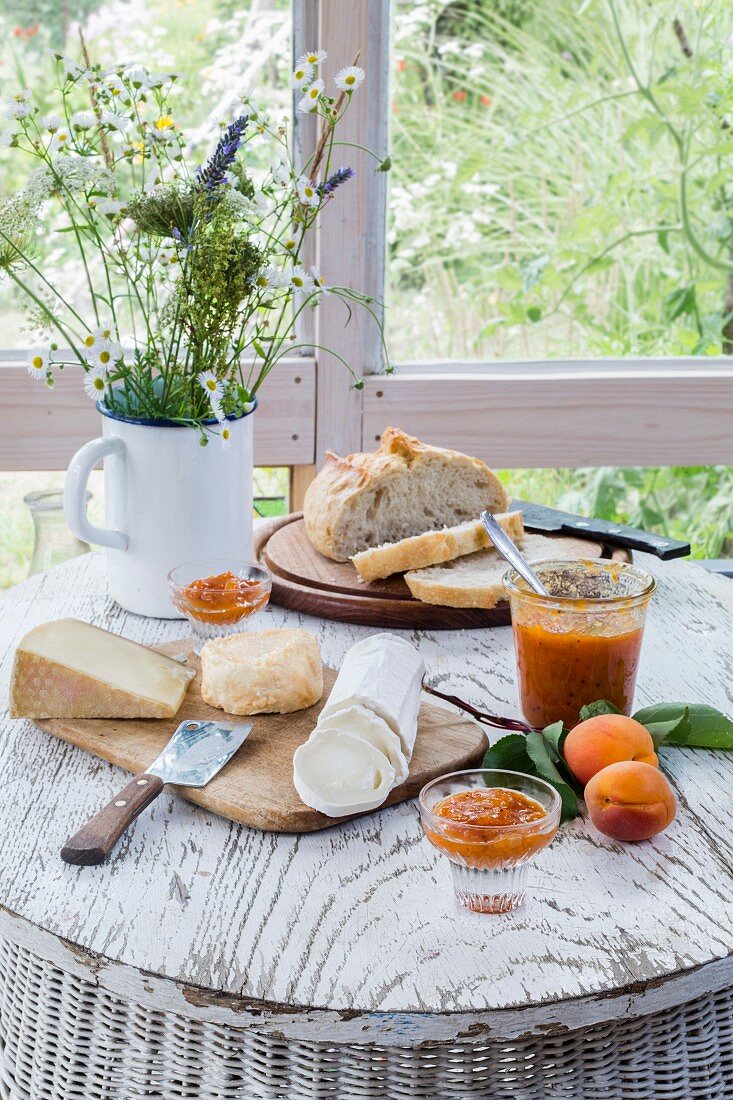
(212, 961)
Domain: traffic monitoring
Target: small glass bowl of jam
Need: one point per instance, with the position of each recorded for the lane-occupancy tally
(489, 823)
(581, 643)
(218, 595)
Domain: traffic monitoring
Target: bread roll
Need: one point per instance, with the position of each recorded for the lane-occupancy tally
(404, 488)
(265, 672)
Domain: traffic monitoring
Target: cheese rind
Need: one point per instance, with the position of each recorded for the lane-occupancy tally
(384, 674)
(71, 669)
(357, 721)
(338, 774)
(264, 672)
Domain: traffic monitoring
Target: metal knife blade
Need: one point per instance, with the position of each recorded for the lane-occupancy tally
(197, 751)
(538, 517)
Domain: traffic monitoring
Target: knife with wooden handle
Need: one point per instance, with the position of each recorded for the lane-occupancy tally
(196, 752)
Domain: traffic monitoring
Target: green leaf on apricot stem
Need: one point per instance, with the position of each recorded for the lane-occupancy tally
(556, 734)
(693, 724)
(601, 706)
(510, 753)
(541, 754)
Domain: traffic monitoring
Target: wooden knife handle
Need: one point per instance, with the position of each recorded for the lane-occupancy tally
(95, 840)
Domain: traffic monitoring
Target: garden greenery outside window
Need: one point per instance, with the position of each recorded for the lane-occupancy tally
(561, 190)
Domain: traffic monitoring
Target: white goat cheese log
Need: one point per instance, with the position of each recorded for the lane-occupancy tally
(363, 741)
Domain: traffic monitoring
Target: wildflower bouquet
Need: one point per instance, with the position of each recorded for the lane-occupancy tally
(194, 267)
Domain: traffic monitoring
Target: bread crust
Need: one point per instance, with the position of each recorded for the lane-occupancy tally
(432, 547)
(341, 481)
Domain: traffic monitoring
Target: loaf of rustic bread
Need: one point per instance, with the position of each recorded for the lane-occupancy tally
(476, 579)
(404, 488)
(432, 547)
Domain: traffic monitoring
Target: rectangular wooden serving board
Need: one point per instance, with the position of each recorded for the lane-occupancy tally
(256, 786)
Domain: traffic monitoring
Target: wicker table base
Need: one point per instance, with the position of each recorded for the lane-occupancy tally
(69, 1039)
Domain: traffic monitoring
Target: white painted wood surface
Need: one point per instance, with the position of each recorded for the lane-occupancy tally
(645, 414)
(64, 418)
(362, 917)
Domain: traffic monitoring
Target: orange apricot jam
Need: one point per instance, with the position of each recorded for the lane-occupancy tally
(559, 672)
(497, 844)
(224, 598)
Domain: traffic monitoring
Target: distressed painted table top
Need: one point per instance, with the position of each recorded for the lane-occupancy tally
(362, 917)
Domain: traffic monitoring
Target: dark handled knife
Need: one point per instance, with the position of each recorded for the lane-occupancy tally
(537, 517)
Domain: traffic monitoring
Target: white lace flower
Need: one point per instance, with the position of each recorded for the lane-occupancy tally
(95, 383)
(83, 120)
(301, 281)
(309, 102)
(52, 123)
(315, 57)
(302, 75)
(307, 192)
(38, 364)
(350, 78)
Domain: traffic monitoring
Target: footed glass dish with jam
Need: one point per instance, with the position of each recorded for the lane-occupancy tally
(489, 823)
(218, 596)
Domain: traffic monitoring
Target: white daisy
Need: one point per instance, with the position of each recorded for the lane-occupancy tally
(248, 406)
(301, 281)
(72, 69)
(350, 78)
(139, 78)
(109, 353)
(52, 123)
(18, 106)
(6, 139)
(302, 75)
(271, 277)
(225, 434)
(318, 282)
(104, 334)
(307, 192)
(115, 121)
(315, 57)
(92, 342)
(280, 172)
(60, 140)
(213, 388)
(95, 383)
(38, 364)
(83, 120)
(111, 207)
(309, 102)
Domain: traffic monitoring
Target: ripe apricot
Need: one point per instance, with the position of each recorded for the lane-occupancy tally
(604, 740)
(630, 800)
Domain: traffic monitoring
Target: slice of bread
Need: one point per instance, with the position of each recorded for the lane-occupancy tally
(475, 580)
(404, 488)
(432, 547)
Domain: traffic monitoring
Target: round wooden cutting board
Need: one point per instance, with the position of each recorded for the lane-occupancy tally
(304, 580)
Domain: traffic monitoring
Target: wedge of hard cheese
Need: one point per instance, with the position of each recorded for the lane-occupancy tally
(432, 547)
(70, 669)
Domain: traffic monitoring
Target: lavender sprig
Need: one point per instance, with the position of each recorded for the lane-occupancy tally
(341, 175)
(213, 174)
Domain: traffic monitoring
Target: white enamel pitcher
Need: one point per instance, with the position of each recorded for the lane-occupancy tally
(168, 500)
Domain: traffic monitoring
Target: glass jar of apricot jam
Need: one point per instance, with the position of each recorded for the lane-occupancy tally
(489, 823)
(582, 641)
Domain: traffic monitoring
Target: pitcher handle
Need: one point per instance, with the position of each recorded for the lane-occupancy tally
(75, 493)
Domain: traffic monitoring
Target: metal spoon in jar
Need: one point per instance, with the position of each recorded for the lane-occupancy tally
(509, 552)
